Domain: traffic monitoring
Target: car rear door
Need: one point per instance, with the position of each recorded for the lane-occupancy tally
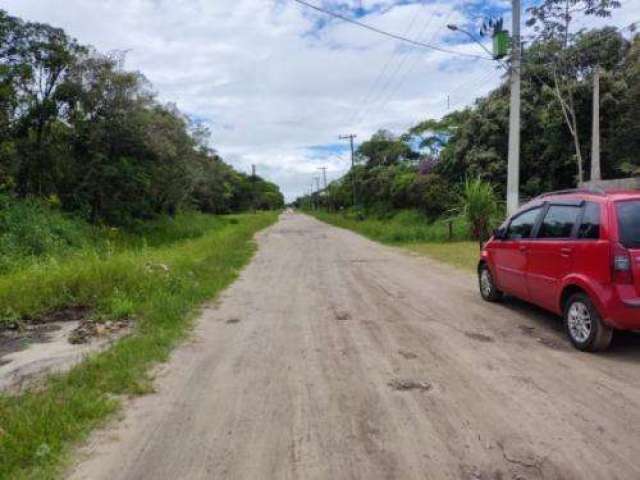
(551, 252)
(510, 254)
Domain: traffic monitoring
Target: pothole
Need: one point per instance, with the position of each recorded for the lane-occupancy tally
(405, 385)
(407, 355)
(480, 337)
(232, 321)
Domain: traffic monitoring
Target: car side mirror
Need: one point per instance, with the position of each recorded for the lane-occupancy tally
(500, 233)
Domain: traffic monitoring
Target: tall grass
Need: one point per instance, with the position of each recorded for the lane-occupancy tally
(38, 427)
(404, 227)
(32, 232)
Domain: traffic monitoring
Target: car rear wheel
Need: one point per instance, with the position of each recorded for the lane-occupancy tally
(584, 325)
(488, 288)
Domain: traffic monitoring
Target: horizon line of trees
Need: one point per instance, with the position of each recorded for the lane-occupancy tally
(81, 132)
(426, 167)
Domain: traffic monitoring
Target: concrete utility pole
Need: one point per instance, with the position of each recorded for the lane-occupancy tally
(513, 161)
(595, 132)
(350, 137)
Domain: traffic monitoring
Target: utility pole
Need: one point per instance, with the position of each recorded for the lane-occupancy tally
(329, 197)
(350, 137)
(324, 176)
(595, 132)
(253, 188)
(513, 161)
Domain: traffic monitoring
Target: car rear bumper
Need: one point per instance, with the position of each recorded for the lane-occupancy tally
(623, 309)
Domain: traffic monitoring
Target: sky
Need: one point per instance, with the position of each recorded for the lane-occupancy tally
(278, 83)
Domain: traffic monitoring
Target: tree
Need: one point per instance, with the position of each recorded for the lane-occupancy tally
(384, 149)
(77, 128)
(552, 20)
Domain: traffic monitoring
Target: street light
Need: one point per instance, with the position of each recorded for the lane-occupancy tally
(456, 28)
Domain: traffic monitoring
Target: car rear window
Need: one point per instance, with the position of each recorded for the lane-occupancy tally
(629, 223)
(559, 221)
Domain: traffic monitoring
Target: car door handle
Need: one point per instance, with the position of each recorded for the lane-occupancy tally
(566, 251)
(523, 248)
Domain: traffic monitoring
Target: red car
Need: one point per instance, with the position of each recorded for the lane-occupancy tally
(575, 253)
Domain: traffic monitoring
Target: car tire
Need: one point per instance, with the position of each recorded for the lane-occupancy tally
(488, 289)
(584, 325)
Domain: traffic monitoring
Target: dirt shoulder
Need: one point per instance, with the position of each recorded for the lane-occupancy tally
(336, 357)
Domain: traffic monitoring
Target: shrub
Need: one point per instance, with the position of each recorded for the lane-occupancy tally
(480, 208)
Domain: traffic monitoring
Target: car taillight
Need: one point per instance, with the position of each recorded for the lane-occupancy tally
(621, 265)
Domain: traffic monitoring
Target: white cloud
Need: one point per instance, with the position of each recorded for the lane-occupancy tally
(267, 83)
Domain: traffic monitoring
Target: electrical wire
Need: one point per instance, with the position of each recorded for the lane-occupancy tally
(370, 94)
(382, 97)
(389, 34)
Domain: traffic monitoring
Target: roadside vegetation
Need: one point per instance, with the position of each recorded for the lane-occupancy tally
(159, 286)
(445, 240)
(113, 203)
(407, 226)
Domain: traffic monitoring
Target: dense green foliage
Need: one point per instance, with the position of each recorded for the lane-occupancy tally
(37, 427)
(426, 167)
(79, 131)
(32, 232)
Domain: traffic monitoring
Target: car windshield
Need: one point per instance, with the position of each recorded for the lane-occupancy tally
(629, 223)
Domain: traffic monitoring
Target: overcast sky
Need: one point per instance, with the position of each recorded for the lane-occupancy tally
(278, 83)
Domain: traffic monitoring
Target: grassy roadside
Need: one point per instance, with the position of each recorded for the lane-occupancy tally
(38, 427)
(415, 235)
(463, 255)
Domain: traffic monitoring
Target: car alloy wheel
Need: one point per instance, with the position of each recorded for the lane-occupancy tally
(579, 322)
(486, 283)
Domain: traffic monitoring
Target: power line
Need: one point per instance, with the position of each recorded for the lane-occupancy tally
(370, 94)
(382, 97)
(389, 34)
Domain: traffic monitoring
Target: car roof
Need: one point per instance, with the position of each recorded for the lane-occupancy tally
(581, 194)
(590, 194)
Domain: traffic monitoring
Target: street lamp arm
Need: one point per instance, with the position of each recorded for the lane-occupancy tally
(456, 28)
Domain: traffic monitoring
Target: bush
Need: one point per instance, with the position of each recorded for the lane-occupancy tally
(30, 229)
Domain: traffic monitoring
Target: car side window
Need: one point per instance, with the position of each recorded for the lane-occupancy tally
(522, 225)
(559, 221)
(590, 225)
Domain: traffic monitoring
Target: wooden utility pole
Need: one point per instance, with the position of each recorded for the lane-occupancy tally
(513, 162)
(329, 203)
(350, 137)
(253, 188)
(595, 132)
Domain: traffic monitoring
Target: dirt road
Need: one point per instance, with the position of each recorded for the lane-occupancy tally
(333, 357)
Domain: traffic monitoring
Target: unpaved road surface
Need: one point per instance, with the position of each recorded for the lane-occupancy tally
(333, 357)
